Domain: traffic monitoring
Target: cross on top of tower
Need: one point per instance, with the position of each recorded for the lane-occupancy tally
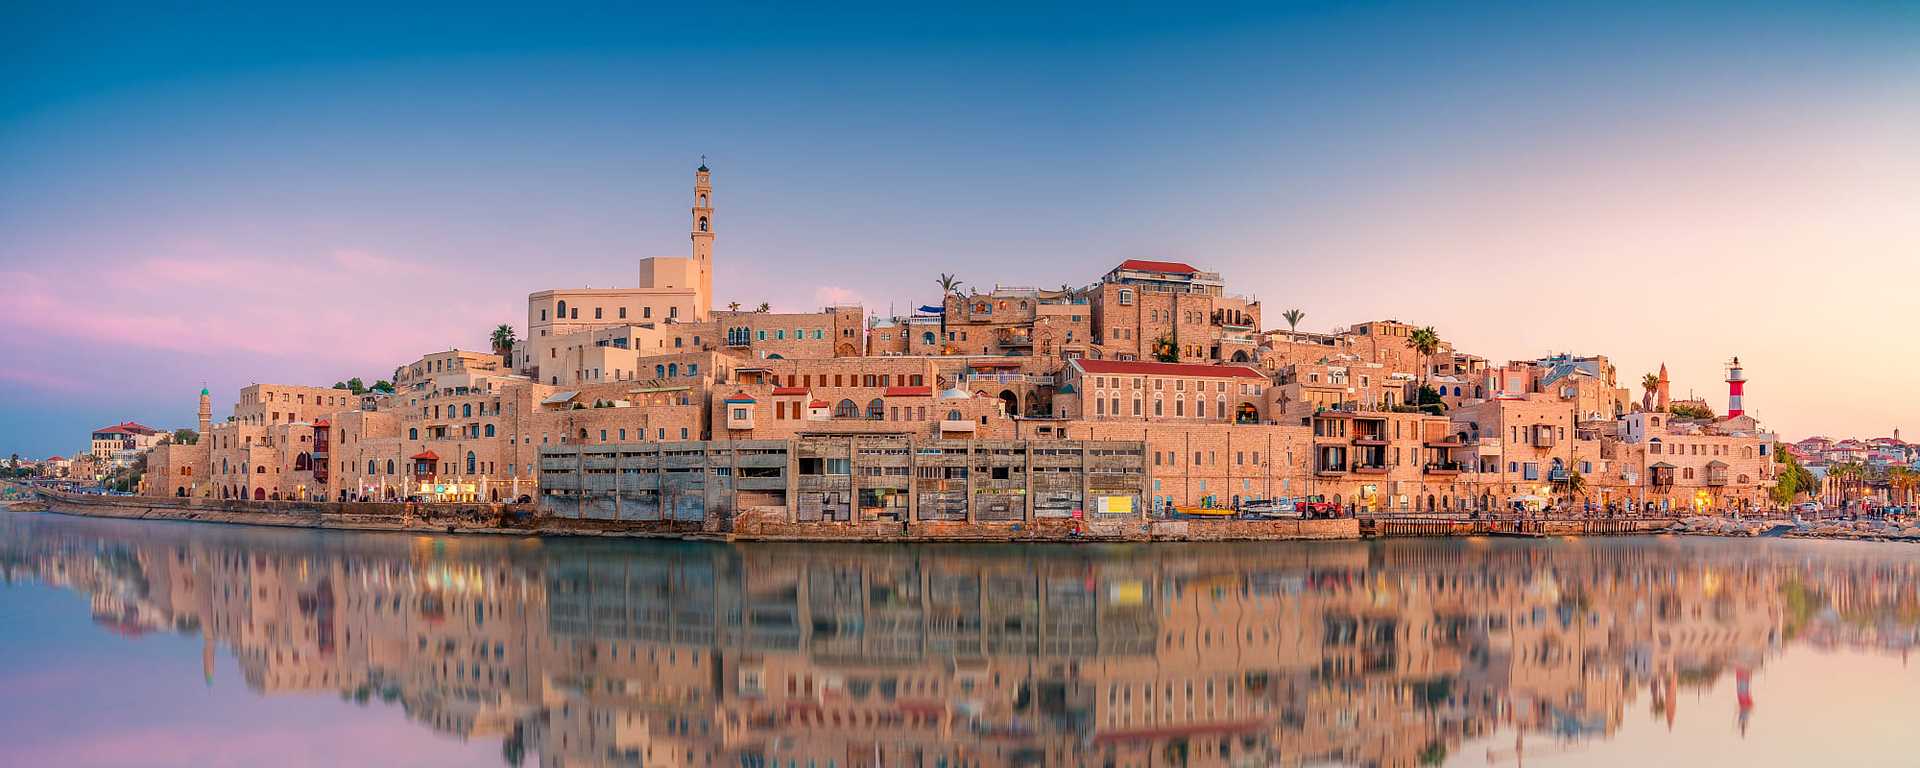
(703, 163)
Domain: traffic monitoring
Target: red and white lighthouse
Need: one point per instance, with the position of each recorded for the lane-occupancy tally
(1736, 386)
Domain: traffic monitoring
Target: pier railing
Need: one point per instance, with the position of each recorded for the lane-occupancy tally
(1417, 526)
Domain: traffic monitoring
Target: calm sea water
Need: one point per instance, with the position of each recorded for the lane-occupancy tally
(129, 643)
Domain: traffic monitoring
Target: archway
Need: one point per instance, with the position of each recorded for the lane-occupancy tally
(1246, 414)
(1011, 400)
(259, 494)
(1240, 356)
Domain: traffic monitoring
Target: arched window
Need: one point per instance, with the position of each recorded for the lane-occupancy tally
(389, 466)
(260, 470)
(954, 415)
(703, 223)
(470, 462)
(466, 411)
(673, 369)
(583, 434)
(876, 409)
(489, 430)
(927, 338)
(659, 371)
(846, 410)
(370, 466)
(413, 433)
(563, 310)
(302, 463)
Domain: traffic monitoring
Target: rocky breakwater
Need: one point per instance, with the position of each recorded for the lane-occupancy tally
(1862, 530)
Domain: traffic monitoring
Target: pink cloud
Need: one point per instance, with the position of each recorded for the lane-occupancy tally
(352, 311)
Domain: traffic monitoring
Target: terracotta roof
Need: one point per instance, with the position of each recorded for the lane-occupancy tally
(425, 456)
(322, 423)
(741, 397)
(819, 404)
(1145, 265)
(789, 390)
(127, 427)
(909, 392)
(1167, 369)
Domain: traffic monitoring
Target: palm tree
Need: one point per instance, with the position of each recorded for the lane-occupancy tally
(1426, 342)
(763, 308)
(1575, 486)
(1650, 383)
(503, 339)
(1293, 318)
(948, 287)
(733, 306)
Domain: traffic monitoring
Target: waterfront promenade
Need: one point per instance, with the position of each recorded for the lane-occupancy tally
(770, 525)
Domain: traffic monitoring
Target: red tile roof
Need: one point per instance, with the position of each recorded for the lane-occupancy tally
(425, 456)
(909, 392)
(1167, 369)
(741, 397)
(1145, 265)
(819, 404)
(127, 427)
(789, 390)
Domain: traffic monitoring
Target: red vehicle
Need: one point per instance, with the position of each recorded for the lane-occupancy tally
(1312, 507)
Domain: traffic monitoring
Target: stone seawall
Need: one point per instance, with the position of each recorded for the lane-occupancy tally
(759, 524)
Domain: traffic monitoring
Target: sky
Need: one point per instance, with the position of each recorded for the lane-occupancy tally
(222, 196)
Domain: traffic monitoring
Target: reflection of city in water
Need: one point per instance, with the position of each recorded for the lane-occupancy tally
(586, 653)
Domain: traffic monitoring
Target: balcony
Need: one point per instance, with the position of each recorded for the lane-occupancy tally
(1369, 440)
(1445, 442)
(1558, 475)
(1370, 469)
(1543, 437)
(1442, 468)
(956, 425)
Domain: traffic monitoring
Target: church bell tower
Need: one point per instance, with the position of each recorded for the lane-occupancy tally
(703, 238)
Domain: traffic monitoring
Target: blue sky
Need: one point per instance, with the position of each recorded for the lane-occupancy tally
(302, 195)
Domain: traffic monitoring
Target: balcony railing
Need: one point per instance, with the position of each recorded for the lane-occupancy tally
(1009, 378)
(1557, 475)
(1442, 468)
(1370, 469)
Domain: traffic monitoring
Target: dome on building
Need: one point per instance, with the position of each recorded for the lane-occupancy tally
(1066, 389)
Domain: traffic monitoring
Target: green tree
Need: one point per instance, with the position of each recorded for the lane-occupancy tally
(184, 436)
(383, 386)
(1426, 342)
(1650, 383)
(1164, 350)
(1293, 318)
(503, 339)
(948, 287)
(1574, 486)
(1690, 411)
(356, 386)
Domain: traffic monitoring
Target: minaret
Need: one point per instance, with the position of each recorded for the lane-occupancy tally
(1660, 404)
(703, 239)
(206, 411)
(1736, 386)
